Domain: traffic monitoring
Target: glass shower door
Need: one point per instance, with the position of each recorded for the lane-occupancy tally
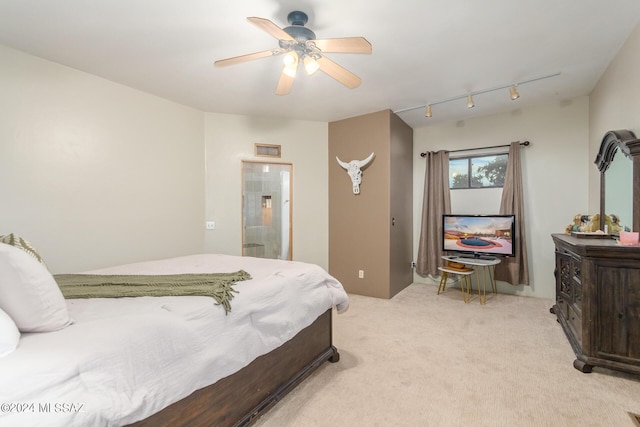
(266, 210)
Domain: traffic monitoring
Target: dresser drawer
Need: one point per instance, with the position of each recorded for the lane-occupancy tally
(562, 307)
(576, 295)
(574, 319)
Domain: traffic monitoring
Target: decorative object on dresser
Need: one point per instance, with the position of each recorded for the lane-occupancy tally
(590, 225)
(598, 301)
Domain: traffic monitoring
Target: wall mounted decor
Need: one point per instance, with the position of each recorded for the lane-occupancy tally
(354, 169)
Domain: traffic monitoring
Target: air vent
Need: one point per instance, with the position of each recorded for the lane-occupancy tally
(265, 150)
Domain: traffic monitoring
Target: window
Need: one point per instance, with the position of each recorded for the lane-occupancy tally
(478, 172)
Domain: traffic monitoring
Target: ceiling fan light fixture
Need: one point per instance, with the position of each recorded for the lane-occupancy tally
(470, 103)
(428, 112)
(513, 93)
(290, 64)
(290, 58)
(290, 71)
(310, 64)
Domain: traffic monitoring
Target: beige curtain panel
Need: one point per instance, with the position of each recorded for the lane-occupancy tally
(514, 270)
(436, 202)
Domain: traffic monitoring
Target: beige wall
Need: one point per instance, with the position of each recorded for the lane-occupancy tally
(555, 170)
(229, 139)
(614, 104)
(94, 173)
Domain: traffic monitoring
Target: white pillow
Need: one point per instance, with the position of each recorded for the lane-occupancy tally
(29, 294)
(20, 243)
(9, 334)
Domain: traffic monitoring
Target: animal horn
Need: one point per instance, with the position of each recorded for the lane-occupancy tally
(365, 162)
(343, 164)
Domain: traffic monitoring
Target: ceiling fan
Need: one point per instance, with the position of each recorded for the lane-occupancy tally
(299, 44)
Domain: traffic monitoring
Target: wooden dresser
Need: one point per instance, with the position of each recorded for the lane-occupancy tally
(598, 301)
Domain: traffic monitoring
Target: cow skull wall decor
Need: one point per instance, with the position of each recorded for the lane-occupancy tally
(354, 169)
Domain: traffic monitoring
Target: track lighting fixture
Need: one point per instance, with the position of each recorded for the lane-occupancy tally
(513, 94)
(428, 112)
(470, 103)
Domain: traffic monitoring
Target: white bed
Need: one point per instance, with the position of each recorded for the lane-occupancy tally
(124, 359)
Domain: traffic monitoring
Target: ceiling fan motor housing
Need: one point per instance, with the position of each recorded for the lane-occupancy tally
(297, 18)
(297, 30)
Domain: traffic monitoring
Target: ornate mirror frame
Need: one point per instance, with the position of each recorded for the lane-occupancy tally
(629, 145)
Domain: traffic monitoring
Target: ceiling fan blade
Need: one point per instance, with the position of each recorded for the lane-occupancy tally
(270, 28)
(284, 84)
(248, 57)
(339, 73)
(343, 45)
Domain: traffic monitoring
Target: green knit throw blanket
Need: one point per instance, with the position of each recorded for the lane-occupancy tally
(219, 286)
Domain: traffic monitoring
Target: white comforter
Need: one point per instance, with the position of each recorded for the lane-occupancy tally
(124, 359)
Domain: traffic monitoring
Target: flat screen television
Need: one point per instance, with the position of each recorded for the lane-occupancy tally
(479, 236)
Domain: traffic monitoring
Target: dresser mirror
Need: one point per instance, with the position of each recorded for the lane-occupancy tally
(618, 162)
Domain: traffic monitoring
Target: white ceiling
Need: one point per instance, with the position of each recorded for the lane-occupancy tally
(424, 51)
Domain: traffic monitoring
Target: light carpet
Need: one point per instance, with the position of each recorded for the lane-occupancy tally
(422, 359)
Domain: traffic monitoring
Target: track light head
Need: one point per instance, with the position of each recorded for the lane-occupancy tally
(513, 93)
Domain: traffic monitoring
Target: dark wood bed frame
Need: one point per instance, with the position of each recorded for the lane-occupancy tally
(239, 399)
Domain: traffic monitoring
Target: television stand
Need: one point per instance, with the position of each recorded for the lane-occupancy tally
(477, 256)
(484, 267)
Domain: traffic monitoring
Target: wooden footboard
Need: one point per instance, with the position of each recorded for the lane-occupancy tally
(241, 398)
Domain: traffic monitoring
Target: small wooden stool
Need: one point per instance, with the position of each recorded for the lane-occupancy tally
(465, 283)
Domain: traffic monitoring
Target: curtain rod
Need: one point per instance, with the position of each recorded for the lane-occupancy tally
(524, 144)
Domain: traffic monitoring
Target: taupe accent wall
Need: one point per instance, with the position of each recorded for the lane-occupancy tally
(361, 233)
(401, 206)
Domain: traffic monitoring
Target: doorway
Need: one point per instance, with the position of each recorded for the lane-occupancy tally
(266, 210)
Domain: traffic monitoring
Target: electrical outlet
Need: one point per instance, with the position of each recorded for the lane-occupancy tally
(413, 264)
(211, 225)
(360, 274)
